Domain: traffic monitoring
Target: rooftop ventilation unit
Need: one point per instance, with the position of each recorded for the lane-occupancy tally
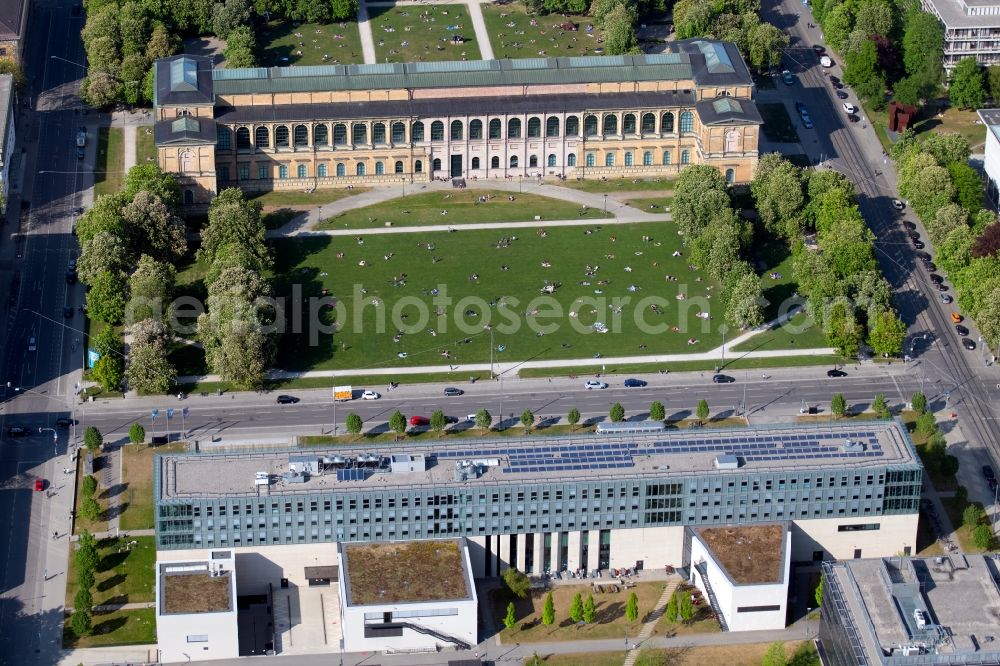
(727, 461)
(466, 470)
(294, 477)
(851, 446)
(261, 479)
(404, 463)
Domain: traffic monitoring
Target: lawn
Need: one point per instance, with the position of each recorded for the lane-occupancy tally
(462, 206)
(747, 654)
(651, 204)
(137, 471)
(797, 333)
(397, 311)
(702, 622)
(123, 627)
(941, 482)
(777, 126)
(283, 198)
(516, 34)
(733, 362)
(279, 217)
(110, 163)
(422, 33)
(955, 506)
(79, 522)
(145, 147)
(609, 621)
(623, 184)
(966, 123)
(124, 575)
(286, 43)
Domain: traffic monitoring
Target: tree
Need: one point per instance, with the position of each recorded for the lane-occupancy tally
(686, 608)
(775, 655)
(549, 610)
(85, 578)
(632, 608)
(573, 417)
(107, 297)
(818, 594)
(344, 10)
(150, 288)
(923, 43)
(926, 425)
(99, 89)
(83, 599)
(968, 85)
(228, 16)
(89, 486)
(880, 407)
(619, 30)
(147, 177)
(702, 410)
(576, 608)
(527, 419)
(149, 371)
(104, 216)
(589, 609)
(397, 422)
(154, 228)
(106, 251)
(516, 582)
(777, 190)
(842, 328)
(874, 18)
(136, 433)
(919, 402)
(837, 26)
(483, 419)
(743, 303)
(240, 47)
(93, 439)
(656, 411)
(510, 619)
(982, 537)
(968, 186)
(233, 219)
(699, 193)
(617, 413)
(765, 46)
(861, 71)
(438, 421)
(886, 334)
(90, 509)
(838, 405)
(972, 515)
(672, 608)
(81, 622)
(354, 424)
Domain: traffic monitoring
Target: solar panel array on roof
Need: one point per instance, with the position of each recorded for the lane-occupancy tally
(352, 474)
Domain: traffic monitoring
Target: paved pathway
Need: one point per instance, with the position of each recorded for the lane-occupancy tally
(427, 228)
(365, 28)
(129, 146)
(482, 35)
(654, 616)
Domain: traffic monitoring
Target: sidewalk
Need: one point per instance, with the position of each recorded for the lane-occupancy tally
(365, 29)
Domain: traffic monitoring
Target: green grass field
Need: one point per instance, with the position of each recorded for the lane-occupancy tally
(381, 297)
(123, 576)
(282, 44)
(423, 33)
(110, 163)
(121, 627)
(145, 147)
(651, 204)
(462, 206)
(306, 199)
(617, 185)
(516, 34)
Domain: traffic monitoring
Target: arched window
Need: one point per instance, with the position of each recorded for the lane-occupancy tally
(280, 136)
(242, 138)
(730, 176)
(609, 159)
(571, 160)
(534, 128)
(359, 169)
(495, 162)
(223, 137)
(321, 171)
(379, 168)
(359, 133)
(514, 128)
(437, 131)
(302, 171)
(551, 126)
(628, 158)
(667, 123)
(685, 157)
(666, 158)
(495, 126)
(457, 131)
(321, 135)
(590, 126)
(417, 131)
(418, 166)
(397, 167)
(687, 121)
(282, 171)
(188, 197)
(647, 158)
(552, 160)
(591, 159)
(262, 137)
(378, 133)
(398, 133)
(513, 161)
(628, 124)
(436, 165)
(572, 126)
(187, 161)
(476, 129)
(648, 123)
(610, 124)
(301, 135)
(341, 169)
(533, 161)
(475, 162)
(340, 134)
(732, 141)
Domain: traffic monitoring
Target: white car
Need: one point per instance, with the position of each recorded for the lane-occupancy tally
(594, 384)
(32, 344)
(371, 395)
(849, 108)
(898, 205)
(825, 61)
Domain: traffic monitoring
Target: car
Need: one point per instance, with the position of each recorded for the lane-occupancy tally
(935, 278)
(849, 108)
(841, 94)
(32, 344)
(923, 256)
(918, 245)
(77, 211)
(961, 330)
(371, 395)
(18, 431)
(941, 287)
(64, 422)
(930, 265)
(836, 373)
(899, 205)
(988, 473)
(956, 318)
(79, 153)
(826, 61)
(946, 299)
(819, 49)
(852, 118)
(287, 400)
(39, 484)
(634, 383)
(451, 391)
(419, 421)
(594, 384)
(909, 226)
(968, 344)
(806, 122)
(722, 379)
(787, 77)
(836, 82)
(799, 106)
(451, 419)
(71, 265)
(71, 277)
(470, 417)
(68, 312)
(913, 235)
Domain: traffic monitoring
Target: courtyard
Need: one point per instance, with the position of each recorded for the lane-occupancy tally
(516, 34)
(422, 33)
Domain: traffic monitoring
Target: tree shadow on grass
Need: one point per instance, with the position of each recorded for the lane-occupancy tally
(114, 490)
(108, 626)
(609, 612)
(110, 583)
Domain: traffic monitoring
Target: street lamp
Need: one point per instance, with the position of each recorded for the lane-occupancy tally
(605, 203)
(55, 439)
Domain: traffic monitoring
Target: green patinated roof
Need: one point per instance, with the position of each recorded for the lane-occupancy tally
(727, 105)
(185, 124)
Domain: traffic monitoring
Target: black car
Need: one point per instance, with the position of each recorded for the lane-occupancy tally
(68, 312)
(836, 373)
(913, 235)
(930, 265)
(799, 106)
(79, 153)
(18, 431)
(941, 287)
(451, 419)
(935, 278)
(64, 422)
(968, 344)
(841, 94)
(988, 473)
(70, 277)
(909, 226)
(820, 50)
(722, 379)
(918, 245)
(853, 118)
(961, 330)
(923, 256)
(451, 392)
(634, 383)
(287, 400)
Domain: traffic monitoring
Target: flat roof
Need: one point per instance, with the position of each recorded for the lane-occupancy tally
(750, 554)
(524, 460)
(959, 593)
(405, 572)
(953, 14)
(190, 588)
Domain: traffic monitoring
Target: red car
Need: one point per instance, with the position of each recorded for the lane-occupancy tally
(39, 485)
(419, 421)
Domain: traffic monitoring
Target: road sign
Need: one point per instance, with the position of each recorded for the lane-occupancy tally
(153, 414)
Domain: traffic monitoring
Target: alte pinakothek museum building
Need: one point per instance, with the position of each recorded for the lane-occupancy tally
(337, 125)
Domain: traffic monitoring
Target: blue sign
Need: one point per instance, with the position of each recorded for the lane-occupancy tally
(153, 414)
(170, 413)
(185, 412)
(92, 358)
